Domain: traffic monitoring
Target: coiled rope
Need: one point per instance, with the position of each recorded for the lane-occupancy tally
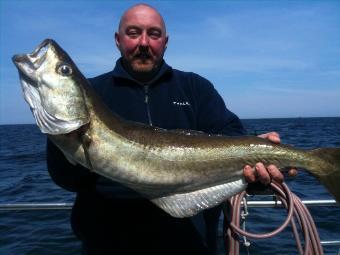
(296, 210)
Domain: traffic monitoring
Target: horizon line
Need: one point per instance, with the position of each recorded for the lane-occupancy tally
(256, 118)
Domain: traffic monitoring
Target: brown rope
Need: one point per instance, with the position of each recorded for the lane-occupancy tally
(296, 210)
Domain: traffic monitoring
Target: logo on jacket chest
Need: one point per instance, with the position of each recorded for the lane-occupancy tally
(181, 103)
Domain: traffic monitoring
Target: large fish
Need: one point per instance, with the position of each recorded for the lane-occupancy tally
(183, 172)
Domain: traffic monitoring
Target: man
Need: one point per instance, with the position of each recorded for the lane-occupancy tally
(111, 219)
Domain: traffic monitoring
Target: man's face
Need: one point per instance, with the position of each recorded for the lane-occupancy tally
(142, 39)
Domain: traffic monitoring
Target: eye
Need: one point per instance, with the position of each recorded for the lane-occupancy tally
(155, 33)
(64, 69)
(133, 33)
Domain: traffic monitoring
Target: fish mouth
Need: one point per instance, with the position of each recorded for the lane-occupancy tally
(51, 116)
(28, 64)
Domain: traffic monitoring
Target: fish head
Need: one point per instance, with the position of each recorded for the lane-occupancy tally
(51, 85)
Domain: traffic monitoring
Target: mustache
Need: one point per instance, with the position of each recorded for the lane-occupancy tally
(143, 54)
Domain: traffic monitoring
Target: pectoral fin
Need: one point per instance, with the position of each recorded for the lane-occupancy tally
(70, 159)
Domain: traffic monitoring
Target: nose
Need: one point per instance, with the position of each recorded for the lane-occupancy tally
(144, 40)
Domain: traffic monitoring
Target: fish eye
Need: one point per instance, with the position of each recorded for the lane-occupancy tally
(64, 69)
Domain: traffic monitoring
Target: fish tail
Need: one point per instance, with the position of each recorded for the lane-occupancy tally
(327, 169)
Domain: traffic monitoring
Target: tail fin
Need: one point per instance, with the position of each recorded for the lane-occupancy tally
(328, 171)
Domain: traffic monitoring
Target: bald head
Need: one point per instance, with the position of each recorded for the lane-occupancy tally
(143, 10)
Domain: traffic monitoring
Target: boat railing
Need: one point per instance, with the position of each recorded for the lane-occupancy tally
(255, 204)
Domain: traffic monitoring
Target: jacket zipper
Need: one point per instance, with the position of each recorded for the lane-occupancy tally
(146, 100)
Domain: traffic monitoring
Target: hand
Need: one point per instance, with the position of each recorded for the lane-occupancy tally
(266, 174)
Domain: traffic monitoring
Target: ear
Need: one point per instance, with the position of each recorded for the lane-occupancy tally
(117, 39)
(166, 41)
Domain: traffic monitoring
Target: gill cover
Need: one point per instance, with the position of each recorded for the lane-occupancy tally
(52, 87)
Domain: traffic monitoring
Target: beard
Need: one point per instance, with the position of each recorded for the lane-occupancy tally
(142, 64)
(143, 61)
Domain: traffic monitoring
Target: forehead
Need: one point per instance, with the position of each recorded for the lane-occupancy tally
(143, 17)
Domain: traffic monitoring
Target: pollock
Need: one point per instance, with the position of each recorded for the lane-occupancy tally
(182, 171)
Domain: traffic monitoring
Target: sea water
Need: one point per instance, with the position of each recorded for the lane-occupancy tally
(24, 178)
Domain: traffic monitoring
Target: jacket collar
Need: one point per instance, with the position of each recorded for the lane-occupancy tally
(120, 72)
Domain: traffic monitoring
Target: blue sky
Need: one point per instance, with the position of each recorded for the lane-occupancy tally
(266, 58)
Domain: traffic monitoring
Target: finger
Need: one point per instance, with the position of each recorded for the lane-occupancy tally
(274, 137)
(275, 173)
(266, 135)
(271, 136)
(292, 172)
(249, 174)
(262, 173)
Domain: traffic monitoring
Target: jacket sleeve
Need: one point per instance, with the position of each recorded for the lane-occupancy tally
(71, 177)
(213, 115)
